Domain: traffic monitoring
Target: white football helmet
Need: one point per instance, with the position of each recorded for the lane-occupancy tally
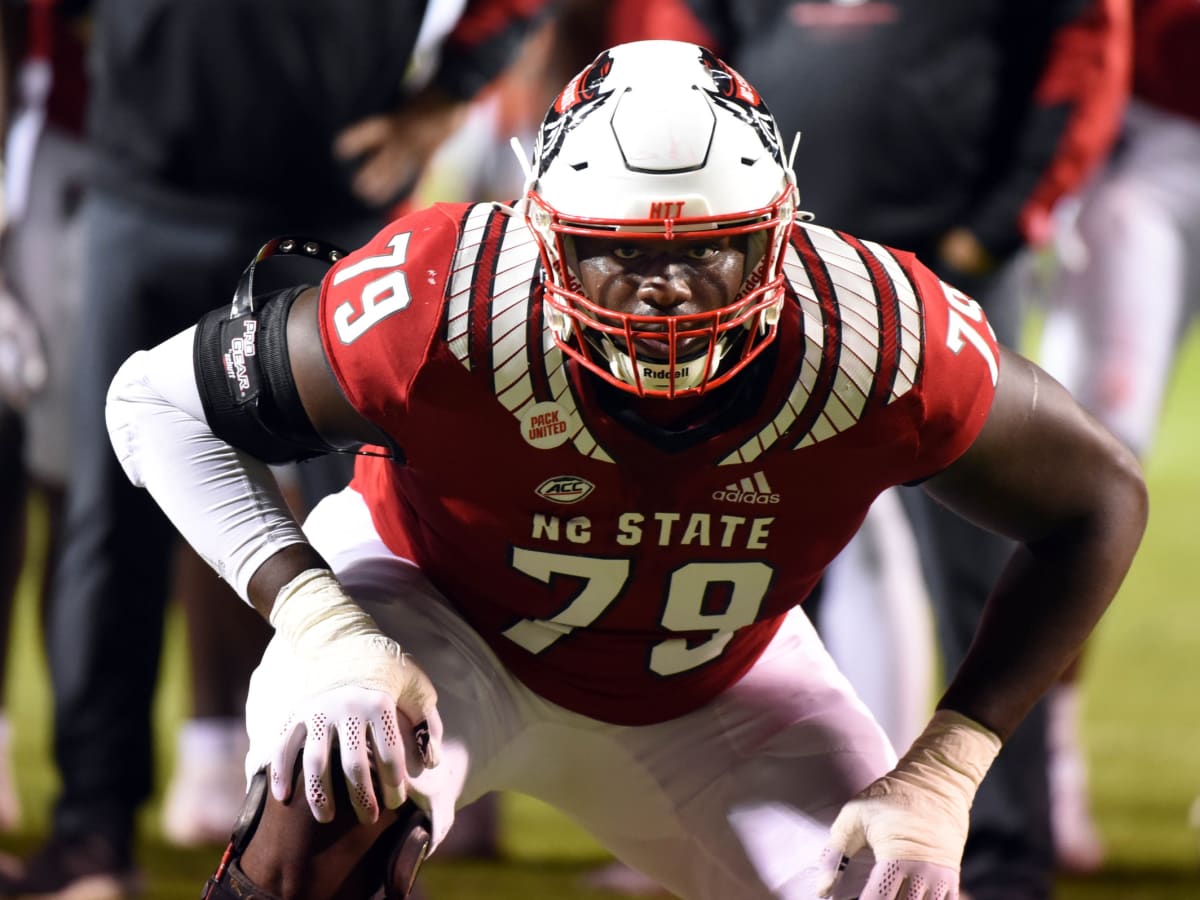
(661, 140)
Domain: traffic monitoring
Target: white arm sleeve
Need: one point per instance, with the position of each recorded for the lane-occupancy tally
(224, 502)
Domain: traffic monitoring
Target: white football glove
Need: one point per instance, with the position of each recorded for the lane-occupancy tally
(915, 818)
(359, 687)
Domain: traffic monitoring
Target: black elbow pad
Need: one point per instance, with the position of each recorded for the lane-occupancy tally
(245, 379)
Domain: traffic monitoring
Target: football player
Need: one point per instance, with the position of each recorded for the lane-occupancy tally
(609, 438)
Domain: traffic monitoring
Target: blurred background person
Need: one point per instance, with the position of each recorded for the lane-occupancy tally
(41, 249)
(1125, 295)
(188, 108)
(41, 254)
(41, 262)
(949, 128)
(207, 783)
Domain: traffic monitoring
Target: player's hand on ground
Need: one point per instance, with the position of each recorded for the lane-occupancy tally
(361, 690)
(915, 818)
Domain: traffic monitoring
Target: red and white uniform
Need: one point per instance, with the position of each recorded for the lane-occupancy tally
(608, 612)
(623, 574)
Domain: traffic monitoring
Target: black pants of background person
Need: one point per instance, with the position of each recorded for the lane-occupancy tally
(148, 276)
(1009, 854)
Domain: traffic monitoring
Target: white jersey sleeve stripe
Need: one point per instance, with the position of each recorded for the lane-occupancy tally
(814, 346)
(511, 310)
(560, 386)
(858, 306)
(462, 280)
(910, 320)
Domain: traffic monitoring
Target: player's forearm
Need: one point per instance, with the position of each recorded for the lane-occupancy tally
(279, 570)
(1049, 598)
(225, 503)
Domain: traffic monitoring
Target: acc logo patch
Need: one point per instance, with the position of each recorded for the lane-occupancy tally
(565, 488)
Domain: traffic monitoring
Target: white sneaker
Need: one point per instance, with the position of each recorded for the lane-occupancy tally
(10, 803)
(1077, 844)
(209, 784)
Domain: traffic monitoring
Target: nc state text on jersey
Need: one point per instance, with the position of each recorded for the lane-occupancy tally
(664, 529)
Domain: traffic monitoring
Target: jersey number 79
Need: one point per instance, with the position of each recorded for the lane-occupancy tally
(380, 297)
(604, 579)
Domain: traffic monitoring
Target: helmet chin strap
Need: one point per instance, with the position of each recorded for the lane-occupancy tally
(657, 376)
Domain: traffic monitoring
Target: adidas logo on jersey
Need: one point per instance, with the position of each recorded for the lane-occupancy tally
(749, 490)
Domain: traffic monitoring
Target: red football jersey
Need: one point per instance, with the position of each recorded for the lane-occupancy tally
(620, 571)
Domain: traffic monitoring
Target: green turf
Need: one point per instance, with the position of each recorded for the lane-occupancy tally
(1141, 718)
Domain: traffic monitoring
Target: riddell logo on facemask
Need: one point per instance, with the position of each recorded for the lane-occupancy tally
(754, 489)
(664, 372)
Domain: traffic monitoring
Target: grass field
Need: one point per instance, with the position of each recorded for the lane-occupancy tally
(1141, 716)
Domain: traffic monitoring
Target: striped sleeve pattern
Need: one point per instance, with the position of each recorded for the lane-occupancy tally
(862, 338)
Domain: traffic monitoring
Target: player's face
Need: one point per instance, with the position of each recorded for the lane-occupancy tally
(661, 278)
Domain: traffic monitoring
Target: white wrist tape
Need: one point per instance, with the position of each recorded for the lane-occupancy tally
(313, 609)
(932, 787)
(915, 817)
(313, 613)
(961, 748)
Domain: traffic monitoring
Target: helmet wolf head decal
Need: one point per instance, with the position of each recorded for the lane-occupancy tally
(579, 99)
(735, 94)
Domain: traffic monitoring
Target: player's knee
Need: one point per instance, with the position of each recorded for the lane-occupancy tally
(229, 882)
(279, 851)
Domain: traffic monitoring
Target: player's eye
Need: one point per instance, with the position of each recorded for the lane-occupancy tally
(702, 251)
(627, 251)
